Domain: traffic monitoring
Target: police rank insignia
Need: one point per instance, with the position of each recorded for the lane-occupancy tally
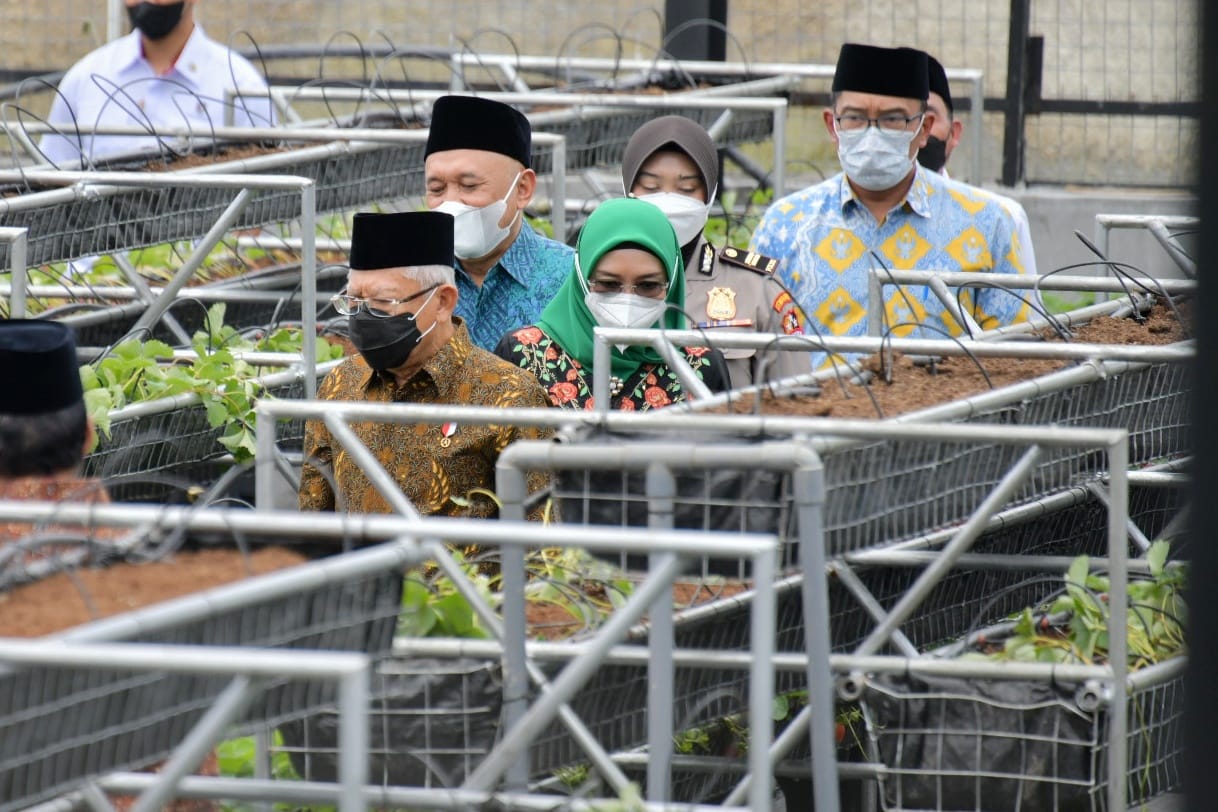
(757, 263)
(707, 267)
(721, 303)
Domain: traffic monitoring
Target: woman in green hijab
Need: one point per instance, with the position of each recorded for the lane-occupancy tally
(628, 272)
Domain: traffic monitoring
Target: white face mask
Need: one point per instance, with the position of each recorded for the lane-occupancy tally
(628, 310)
(688, 215)
(874, 159)
(476, 231)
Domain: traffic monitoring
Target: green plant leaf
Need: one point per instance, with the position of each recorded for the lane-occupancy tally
(1156, 558)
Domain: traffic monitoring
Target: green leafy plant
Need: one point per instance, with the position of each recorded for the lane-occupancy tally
(236, 758)
(1074, 627)
(135, 371)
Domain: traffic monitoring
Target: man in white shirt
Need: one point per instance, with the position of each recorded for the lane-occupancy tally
(166, 74)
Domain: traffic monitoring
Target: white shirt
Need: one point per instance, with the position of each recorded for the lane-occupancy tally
(116, 86)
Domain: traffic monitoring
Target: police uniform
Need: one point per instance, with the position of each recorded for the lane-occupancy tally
(734, 291)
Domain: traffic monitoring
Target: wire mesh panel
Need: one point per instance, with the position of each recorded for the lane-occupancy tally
(63, 724)
(164, 456)
(432, 723)
(966, 599)
(955, 744)
(69, 226)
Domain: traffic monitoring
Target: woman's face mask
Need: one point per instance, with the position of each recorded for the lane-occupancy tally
(875, 159)
(688, 215)
(628, 310)
(386, 342)
(476, 231)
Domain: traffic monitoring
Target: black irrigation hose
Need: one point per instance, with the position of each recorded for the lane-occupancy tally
(887, 338)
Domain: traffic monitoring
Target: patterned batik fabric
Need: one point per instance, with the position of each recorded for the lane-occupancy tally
(827, 241)
(516, 289)
(569, 384)
(72, 489)
(443, 468)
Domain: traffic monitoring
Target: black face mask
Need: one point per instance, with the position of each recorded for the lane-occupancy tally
(386, 342)
(933, 156)
(155, 21)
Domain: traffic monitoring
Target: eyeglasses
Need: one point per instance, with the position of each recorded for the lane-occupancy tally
(652, 290)
(350, 305)
(891, 122)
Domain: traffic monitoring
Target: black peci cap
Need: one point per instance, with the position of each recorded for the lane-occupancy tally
(38, 362)
(900, 72)
(471, 122)
(401, 240)
(937, 78)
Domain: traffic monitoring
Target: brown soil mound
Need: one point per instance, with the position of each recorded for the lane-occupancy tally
(64, 600)
(908, 386)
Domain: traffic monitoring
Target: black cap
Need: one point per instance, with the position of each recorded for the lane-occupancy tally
(937, 78)
(401, 240)
(38, 364)
(471, 122)
(900, 72)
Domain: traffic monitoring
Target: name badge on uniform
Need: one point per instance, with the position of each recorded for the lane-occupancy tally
(721, 303)
(447, 430)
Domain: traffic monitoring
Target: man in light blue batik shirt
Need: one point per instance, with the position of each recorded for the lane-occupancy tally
(886, 211)
(477, 168)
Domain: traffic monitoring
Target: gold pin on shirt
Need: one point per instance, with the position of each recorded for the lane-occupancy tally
(447, 431)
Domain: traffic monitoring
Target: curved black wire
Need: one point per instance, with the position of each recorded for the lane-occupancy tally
(989, 283)
(887, 338)
(232, 74)
(562, 47)
(38, 80)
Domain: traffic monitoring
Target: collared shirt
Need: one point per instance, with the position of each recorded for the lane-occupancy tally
(116, 86)
(826, 241)
(439, 467)
(516, 289)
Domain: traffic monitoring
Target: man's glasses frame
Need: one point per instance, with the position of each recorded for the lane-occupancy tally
(347, 305)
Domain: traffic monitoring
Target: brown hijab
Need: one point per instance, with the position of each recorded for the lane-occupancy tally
(676, 132)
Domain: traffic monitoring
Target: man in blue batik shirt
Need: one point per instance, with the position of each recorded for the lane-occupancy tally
(885, 210)
(477, 168)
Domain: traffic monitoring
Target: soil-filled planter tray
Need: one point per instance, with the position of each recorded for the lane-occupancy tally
(879, 493)
(62, 725)
(436, 719)
(64, 225)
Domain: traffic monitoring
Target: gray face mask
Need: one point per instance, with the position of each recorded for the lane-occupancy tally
(874, 159)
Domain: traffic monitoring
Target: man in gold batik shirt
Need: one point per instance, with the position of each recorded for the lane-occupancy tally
(400, 299)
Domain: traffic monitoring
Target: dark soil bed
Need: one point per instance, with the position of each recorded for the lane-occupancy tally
(908, 386)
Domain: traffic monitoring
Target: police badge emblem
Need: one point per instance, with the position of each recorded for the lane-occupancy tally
(721, 303)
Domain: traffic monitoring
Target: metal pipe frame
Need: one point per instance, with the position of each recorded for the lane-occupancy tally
(1105, 223)
(729, 97)
(17, 242)
(939, 281)
(335, 141)
(658, 460)
(252, 669)
(456, 800)
(1112, 441)
(106, 183)
(604, 338)
(511, 64)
